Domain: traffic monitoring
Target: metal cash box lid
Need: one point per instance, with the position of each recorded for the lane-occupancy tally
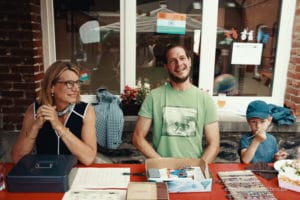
(41, 173)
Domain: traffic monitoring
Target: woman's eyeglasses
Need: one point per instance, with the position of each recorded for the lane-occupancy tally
(70, 84)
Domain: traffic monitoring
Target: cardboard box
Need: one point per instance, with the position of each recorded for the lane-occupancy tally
(147, 191)
(182, 184)
(288, 183)
(41, 173)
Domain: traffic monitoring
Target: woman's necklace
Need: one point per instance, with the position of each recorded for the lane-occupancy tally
(65, 111)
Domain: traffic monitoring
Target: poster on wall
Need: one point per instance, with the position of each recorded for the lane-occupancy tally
(171, 23)
(246, 53)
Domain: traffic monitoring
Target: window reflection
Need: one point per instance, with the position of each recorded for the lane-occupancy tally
(99, 59)
(249, 21)
(151, 44)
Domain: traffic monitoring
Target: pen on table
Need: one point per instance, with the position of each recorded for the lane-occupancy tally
(264, 170)
(134, 173)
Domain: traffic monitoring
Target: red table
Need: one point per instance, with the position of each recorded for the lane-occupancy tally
(217, 193)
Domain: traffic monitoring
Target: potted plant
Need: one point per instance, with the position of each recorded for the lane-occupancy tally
(133, 97)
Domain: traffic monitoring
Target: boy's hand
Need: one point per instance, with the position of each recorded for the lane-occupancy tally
(260, 135)
(281, 154)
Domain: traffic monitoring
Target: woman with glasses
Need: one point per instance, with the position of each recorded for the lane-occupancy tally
(58, 122)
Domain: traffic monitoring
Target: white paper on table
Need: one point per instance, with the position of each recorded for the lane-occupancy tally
(95, 194)
(101, 178)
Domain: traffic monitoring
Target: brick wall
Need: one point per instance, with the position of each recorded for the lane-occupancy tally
(21, 61)
(292, 95)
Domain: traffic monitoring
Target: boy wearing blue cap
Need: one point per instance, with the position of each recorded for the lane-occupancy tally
(258, 145)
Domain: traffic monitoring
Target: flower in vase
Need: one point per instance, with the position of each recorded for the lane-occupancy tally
(137, 94)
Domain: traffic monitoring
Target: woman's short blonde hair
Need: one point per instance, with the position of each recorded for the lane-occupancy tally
(51, 76)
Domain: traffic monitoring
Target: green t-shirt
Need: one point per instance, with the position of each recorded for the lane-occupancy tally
(178, 119)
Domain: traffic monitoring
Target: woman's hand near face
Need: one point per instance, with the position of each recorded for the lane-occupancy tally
(48, 113)
(39, 121)
(39, 118)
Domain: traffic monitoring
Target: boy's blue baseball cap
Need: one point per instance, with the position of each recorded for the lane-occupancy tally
(258, 109)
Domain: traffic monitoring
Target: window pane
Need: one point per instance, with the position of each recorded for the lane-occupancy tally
(151, 43)
(88, 34)
(246, 47)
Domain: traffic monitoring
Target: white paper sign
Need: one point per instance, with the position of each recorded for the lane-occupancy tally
(246, 53)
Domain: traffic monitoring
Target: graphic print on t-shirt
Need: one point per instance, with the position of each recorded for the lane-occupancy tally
(178, 121)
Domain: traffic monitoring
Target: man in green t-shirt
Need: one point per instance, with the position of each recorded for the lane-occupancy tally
(179, 113)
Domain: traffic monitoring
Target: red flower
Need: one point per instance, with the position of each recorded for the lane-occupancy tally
(135, 95)
(129, 95)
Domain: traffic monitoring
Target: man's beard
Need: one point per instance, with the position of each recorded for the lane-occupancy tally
(178, 79)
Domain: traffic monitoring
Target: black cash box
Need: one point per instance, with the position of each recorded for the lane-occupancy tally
(41, 173)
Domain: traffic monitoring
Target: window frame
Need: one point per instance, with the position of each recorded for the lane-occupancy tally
(208, 42)
(284, 44)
